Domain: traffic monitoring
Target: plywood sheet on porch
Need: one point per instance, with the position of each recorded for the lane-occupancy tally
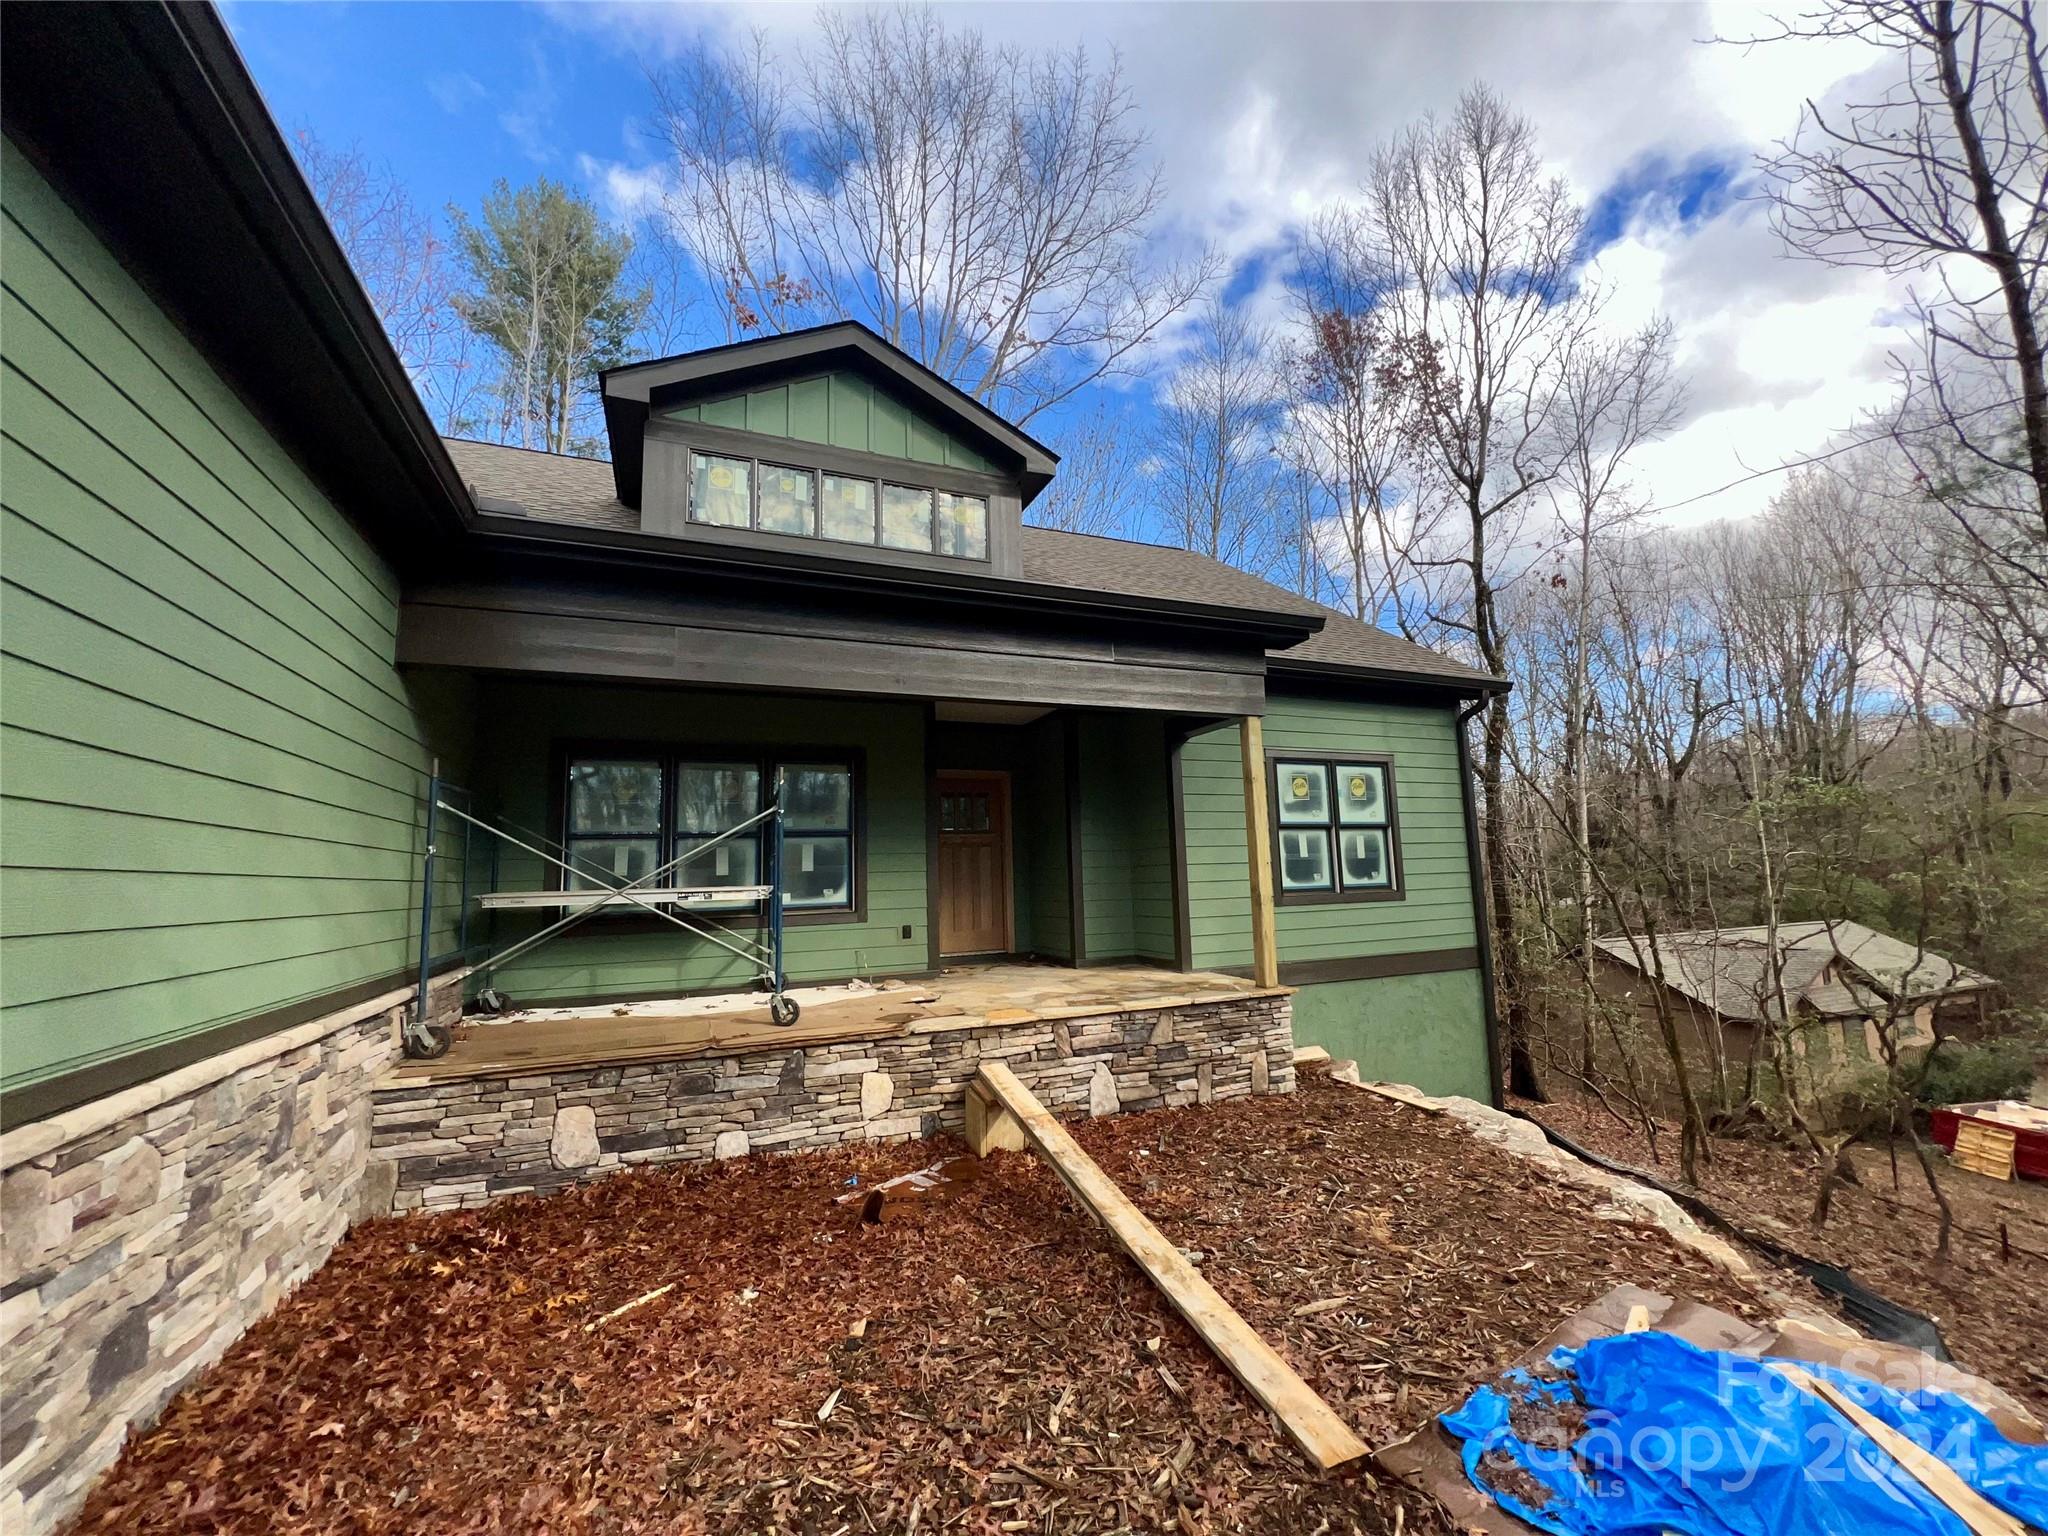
(965, 997)
(545, 1040)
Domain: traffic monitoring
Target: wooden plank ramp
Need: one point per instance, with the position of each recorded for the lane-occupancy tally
(1004, 1111)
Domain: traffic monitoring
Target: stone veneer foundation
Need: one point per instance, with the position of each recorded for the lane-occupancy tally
(143, 1233)
(465, 1141)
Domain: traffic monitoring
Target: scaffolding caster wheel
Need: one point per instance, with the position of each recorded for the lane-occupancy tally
(428, 1042)
(782, 1010)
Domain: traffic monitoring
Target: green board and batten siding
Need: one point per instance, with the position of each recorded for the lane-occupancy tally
(213, 767)
(841, 410)
(1126, 840)
(1428, 1030)
(523, 723)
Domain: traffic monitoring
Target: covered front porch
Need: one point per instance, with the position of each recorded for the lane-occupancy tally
(918, 835)
(550, 1097)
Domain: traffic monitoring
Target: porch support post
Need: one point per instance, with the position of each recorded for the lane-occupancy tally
(1258, 847)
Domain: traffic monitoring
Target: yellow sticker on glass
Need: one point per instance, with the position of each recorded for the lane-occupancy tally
(1298, 787)
(721, 477)
(1358, 786)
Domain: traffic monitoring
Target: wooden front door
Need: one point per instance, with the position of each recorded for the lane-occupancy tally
(974, 864)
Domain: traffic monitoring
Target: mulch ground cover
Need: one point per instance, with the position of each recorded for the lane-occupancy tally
(1991, 1297)
(1015, 1372)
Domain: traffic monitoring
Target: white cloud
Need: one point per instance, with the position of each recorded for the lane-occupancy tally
(455, 90)
(1264, 114)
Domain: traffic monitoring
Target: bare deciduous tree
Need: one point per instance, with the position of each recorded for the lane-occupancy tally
(403, 263)
(1477, 255)
(1216, 484)
(990, 210)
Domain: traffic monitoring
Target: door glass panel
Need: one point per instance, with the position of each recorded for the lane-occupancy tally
(817, 871)
(1305, 860)
(615, 797)
(1302, 792)
(849, 509)
(720, 491)
(817, 795)
(963, 526)
(789, 501)
(906, 518)
(1366, 864)
(1362, 793)
(715, 797)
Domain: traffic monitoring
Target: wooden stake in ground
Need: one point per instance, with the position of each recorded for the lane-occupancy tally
(1322, 1436)
(1937, 1476)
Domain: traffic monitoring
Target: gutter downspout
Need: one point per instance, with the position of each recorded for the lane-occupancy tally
(1481, 923)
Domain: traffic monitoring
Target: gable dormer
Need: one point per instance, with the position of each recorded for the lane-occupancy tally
(828, 442)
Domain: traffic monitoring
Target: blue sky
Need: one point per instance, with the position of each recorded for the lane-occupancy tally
(1260, 116)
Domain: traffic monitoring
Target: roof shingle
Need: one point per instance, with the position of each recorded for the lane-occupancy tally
(558, 488)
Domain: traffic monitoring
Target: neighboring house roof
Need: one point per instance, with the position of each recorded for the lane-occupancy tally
(1834, 969)
(558, 488)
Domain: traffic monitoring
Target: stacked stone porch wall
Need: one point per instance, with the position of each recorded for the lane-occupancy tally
(143, 1233)
(466, 1141)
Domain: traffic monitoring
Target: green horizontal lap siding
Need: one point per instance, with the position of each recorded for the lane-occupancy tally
(1436, 910)
(211, 768)
(1126, 839)
(842, 410)
(521, 725)
(1423, 1030)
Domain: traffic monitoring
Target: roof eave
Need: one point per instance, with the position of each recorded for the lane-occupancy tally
(631, 392)
(1255, 626)
(208, 131)
(1465, 685)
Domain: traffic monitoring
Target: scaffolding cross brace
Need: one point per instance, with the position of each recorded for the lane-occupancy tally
(424, 1038)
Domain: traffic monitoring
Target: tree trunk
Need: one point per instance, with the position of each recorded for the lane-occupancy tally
(1507, 964)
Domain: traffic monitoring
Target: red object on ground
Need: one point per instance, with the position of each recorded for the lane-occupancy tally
(2028, 1124)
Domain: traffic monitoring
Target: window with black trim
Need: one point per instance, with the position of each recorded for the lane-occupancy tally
(629, 813)
(1334, 832)
(729, 491)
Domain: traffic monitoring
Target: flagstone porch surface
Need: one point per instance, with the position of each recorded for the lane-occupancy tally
(963, 997)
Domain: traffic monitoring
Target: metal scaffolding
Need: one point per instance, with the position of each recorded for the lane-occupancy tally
(595, 893)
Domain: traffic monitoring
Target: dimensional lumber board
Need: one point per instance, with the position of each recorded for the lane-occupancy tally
(1322, 1436)
(1982, 1516)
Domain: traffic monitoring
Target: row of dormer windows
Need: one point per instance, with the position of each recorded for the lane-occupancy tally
(727, 491)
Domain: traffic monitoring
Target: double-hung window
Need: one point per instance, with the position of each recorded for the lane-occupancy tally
(628, 813)
(1334, 835)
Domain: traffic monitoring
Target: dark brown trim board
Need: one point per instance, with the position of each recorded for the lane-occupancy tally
(1423, 962)
(38, 1101)
(931, 837)
(1077, 919)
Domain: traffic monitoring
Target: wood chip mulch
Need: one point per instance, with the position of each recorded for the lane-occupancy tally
(1990, 1299)
(1015, 1372)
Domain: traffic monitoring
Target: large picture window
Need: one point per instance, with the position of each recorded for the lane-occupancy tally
(627, 813)
(1334, 831)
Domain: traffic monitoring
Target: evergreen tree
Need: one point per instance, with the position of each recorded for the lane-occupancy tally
(547, 290)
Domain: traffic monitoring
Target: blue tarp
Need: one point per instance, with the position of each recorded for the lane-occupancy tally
(1643, 1433)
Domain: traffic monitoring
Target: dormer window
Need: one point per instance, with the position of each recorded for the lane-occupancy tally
(721, 491)
(731, 492)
